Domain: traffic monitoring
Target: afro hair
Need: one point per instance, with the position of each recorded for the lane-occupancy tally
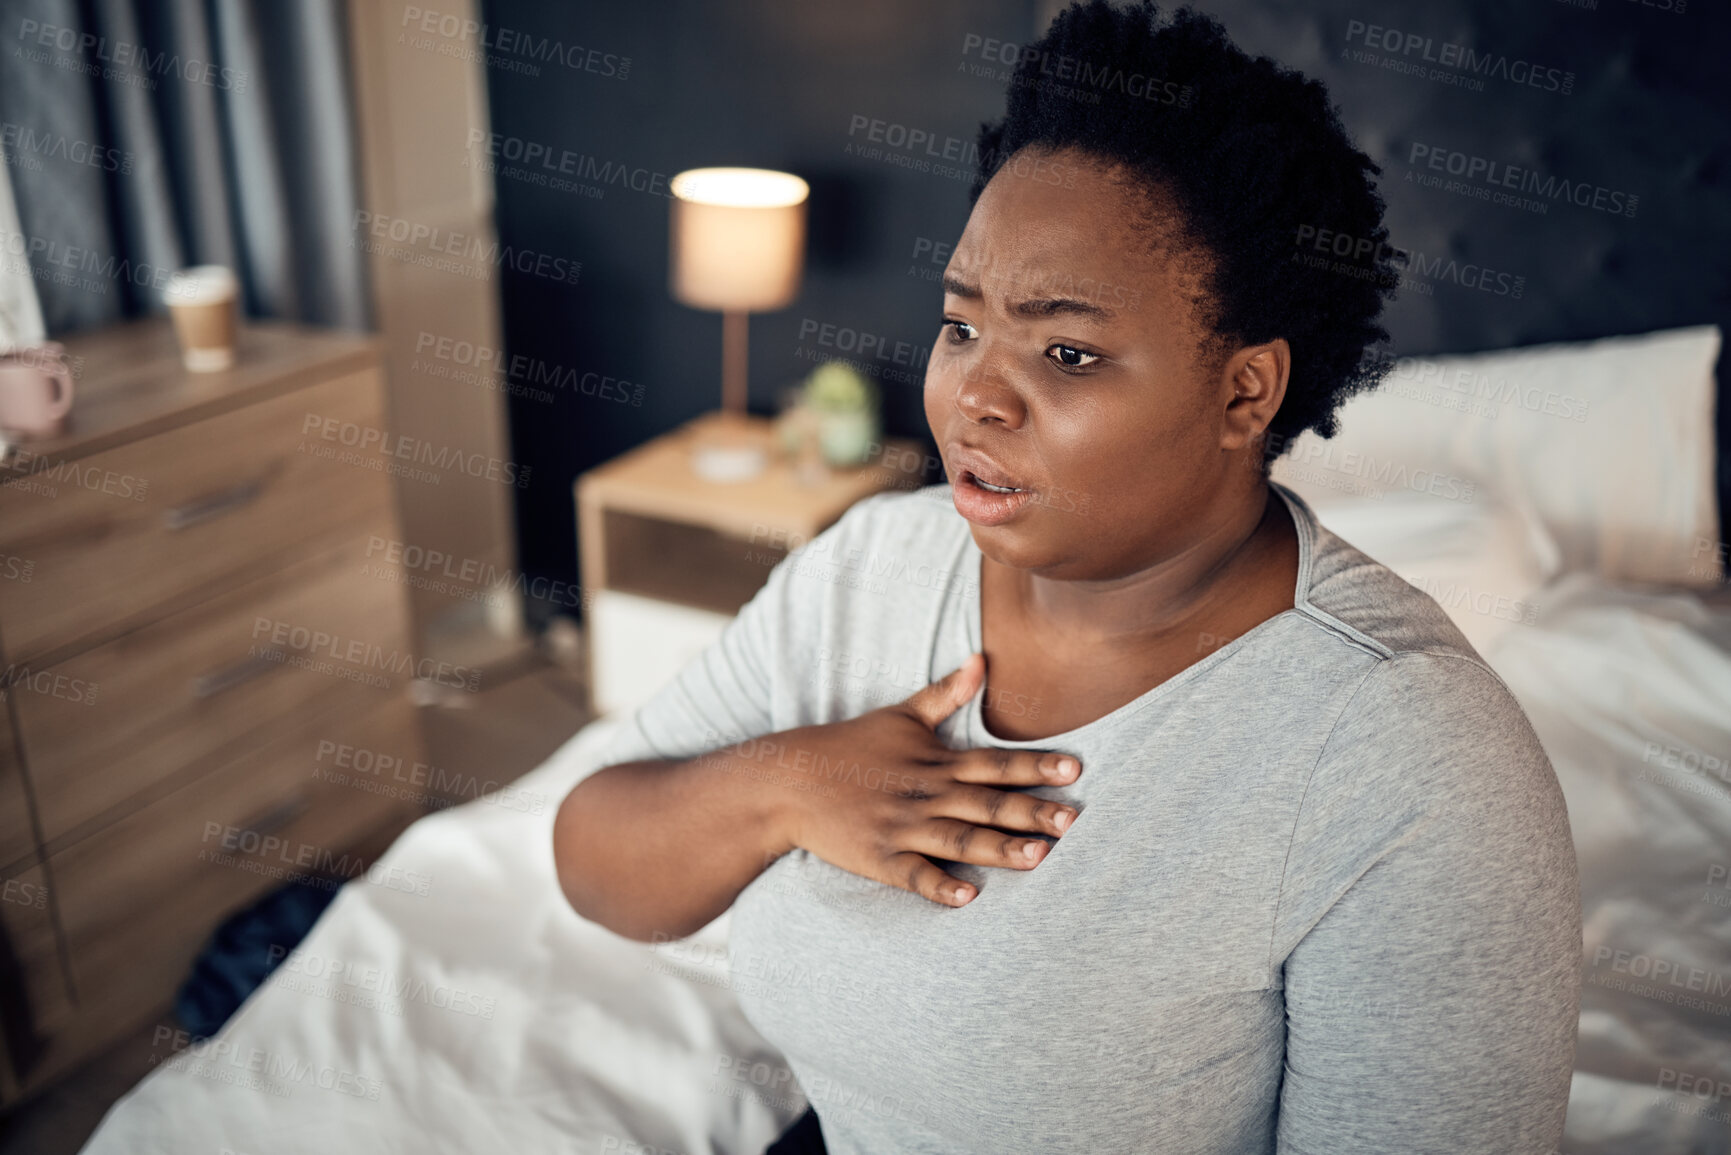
(1253, 157)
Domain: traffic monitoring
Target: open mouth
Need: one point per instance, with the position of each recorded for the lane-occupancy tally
(988, 503)
(974, 479)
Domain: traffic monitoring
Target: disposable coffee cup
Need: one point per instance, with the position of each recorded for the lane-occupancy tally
(202, 302)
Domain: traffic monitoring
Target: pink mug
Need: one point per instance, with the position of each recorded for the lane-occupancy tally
(35, 389)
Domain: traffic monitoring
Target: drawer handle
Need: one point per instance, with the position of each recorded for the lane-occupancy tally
(214, 682)
(278, 816)
(216, 504)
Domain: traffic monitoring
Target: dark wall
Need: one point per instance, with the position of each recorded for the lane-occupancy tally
(769, 85)
(1630, 102)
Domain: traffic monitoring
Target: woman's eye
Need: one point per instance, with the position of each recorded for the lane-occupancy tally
(1071, 358)
(956, 330)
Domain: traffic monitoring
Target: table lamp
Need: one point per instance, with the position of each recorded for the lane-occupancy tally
(738, 243)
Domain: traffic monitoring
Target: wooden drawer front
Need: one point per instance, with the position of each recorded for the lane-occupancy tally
(17, 836)
(218, 496)
(197, 688)
(32, 972)
(139, 899)
(689, 565)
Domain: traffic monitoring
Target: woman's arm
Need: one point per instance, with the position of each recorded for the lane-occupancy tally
(1432, 908)
(662, 838)
(660, 848)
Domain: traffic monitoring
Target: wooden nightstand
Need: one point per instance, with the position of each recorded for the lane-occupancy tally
(195, 627)
(669, 558)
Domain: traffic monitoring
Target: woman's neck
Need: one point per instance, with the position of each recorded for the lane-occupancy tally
(1238, 567)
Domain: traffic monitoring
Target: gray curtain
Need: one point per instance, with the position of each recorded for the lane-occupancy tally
(145, 137)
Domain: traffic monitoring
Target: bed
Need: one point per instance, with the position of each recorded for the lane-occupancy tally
(1558, 501)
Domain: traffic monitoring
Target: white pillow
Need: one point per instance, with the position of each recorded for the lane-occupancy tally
(1483, 561)
(1609, 442)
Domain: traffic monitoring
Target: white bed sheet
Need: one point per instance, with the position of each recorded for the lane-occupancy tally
(483, 1016)
(599, 1044)
(1630, 693)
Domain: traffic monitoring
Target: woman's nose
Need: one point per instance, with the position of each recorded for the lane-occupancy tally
(987, 391)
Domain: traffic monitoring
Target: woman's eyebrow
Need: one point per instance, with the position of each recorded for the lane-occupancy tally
(1034, 306)
(955, 286)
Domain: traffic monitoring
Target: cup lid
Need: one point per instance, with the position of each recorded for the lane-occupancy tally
(200, 284)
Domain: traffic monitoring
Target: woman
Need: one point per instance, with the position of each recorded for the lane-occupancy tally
(1229, 842)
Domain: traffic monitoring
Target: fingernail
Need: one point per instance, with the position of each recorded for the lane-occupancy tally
(1031, 850)
(1062, 768)
(960, 895)
(1063, 819)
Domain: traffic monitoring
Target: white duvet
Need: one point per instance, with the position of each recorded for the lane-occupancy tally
(485, 1016)
(482, 1016)
(1630, 693)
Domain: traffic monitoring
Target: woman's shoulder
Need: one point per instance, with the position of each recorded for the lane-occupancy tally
(913, 513)
(1369, 603)
(885, 557)
(1424, 717)
(890, 533)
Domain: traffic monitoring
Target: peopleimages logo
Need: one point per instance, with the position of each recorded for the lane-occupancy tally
(466, 246)
(495, 42)
(299, 646)
(1715, 984)
(400, 989)
(1058, 71)
(118, 58)
(1365, 258)
(21, 139)
(1490, 174)
(369, 439)
(540, 161)
(957, 158)
(47, 259)
(1460, 58)
(529, 370)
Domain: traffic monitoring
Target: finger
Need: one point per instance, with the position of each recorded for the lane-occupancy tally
(919, 874)
(980, 845)
(1005, 809)
(937, 701)
(998, 766)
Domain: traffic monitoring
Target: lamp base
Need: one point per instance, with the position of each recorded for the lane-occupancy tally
(725, 451)
(720, 464)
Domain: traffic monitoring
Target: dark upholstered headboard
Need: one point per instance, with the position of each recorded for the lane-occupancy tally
(1626, 101)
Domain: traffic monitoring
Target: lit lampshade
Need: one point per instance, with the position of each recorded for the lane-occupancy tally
(738, 238)
(738, 245)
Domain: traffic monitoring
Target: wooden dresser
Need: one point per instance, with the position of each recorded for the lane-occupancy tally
(201, 653)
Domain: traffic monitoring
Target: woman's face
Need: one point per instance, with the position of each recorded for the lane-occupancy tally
(1069, 357)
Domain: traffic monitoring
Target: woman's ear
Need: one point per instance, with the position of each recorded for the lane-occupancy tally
(1253, 382)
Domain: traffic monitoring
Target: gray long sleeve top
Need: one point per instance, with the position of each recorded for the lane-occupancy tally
(1321, 896)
